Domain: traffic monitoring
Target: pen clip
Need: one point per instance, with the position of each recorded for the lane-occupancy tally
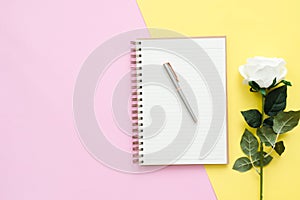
(173, 72)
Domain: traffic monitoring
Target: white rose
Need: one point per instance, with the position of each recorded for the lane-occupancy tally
(263, 70)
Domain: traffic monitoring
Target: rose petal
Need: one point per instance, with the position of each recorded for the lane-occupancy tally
(282, 74)
(265, 76)
(261, 83)
(243, 72)
(263, 61)
(263, 70)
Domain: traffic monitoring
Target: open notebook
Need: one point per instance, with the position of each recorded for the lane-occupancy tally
(164, 132)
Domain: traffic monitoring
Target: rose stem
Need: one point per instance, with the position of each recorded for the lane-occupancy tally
(261, 154)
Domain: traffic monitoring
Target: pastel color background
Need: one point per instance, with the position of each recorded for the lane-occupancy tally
(266, 28)
(43, 45)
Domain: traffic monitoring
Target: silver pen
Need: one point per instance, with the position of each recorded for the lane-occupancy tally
(175, 81)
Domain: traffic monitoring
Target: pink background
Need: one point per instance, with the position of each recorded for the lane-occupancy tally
(42, 47)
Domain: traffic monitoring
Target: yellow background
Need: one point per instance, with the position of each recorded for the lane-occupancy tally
(258, 27)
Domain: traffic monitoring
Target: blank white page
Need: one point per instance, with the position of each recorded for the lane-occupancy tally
(170, 136)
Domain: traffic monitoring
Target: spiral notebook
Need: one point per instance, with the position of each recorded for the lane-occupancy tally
(163, 131)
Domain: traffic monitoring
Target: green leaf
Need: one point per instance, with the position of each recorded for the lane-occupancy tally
(267, 135)
(263, 92)
(249, 143)
(254, 86)
(256, 159)
(286, 83)
(268, 122)
(279, 147)
(252, 117)
(242, 164)
(285, 121)
(275, 101)
(273, 83)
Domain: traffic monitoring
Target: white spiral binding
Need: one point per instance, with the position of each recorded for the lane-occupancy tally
(137, 99)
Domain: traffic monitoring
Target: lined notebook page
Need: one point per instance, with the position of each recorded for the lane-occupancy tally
(170, 136)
